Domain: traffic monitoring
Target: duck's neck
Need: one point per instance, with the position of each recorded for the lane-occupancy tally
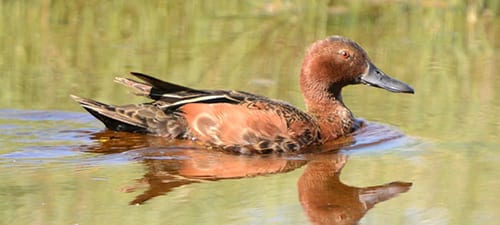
(326, 106)
(333, 117)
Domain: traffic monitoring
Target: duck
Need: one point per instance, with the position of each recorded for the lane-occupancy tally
(246, 123)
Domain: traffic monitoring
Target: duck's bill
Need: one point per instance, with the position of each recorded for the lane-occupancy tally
(377, 78)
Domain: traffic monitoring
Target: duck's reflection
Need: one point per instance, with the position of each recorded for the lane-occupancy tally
(173, 168)
(325, 199)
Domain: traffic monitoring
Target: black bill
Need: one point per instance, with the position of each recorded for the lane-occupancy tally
(377, 78)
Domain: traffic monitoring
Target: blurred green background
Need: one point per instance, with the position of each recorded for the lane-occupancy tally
(445, 49)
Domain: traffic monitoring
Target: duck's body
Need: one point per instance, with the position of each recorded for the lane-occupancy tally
(233, 120)
(248, 123)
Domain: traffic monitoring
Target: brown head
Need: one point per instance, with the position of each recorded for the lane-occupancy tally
(334, 62)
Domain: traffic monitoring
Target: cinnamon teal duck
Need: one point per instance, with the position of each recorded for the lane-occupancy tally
(246, 123)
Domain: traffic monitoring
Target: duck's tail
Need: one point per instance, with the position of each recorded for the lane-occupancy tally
(110, 116)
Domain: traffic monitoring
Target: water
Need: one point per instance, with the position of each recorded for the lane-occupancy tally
(117, 169)
(428, 158)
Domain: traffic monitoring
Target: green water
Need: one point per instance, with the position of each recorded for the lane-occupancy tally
(444, 139)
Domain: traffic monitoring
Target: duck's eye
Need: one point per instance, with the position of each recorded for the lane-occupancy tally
(344, 54)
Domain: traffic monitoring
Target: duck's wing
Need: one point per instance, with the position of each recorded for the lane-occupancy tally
(160, 116)
(170, 94)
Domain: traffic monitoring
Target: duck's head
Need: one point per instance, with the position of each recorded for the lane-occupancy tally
(335, 62)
